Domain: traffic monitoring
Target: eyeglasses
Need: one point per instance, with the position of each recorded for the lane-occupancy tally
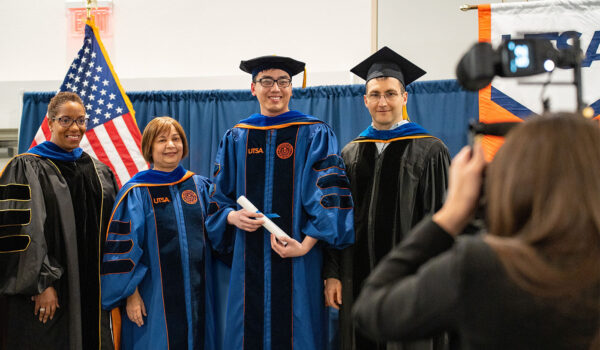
(389, 96)
(269, 82)
(66, 122)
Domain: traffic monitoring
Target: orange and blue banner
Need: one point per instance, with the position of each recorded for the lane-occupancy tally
(510, 99)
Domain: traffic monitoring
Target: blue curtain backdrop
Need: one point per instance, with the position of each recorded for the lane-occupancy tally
(441, 107)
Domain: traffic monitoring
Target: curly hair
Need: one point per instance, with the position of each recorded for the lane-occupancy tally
(60, 99)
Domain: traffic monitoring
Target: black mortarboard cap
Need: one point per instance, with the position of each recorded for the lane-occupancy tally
(259, 64)
(387, 63)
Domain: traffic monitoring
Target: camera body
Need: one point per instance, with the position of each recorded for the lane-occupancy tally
(513, 58)
(525, 57)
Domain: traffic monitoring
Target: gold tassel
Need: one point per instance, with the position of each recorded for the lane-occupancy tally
(405, 113)
(304, 79)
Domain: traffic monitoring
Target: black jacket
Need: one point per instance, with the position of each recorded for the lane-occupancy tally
(429, 284)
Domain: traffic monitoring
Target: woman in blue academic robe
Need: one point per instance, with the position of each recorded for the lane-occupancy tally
(157, 259)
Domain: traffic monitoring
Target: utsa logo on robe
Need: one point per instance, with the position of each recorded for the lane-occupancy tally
(255, 150)
(156, 242)
(159, 200)
(277, 303)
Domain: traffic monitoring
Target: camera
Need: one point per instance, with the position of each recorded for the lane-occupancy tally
(514, 58)
(517, 58)
(526, 57)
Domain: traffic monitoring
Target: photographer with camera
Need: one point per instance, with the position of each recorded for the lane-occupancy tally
(533, 280)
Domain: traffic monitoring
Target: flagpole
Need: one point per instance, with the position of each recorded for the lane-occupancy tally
(88, 8)
(467, 7)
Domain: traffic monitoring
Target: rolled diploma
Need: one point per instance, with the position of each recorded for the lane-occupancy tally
(268, 224)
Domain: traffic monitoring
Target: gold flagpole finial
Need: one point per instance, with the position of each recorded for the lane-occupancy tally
(88, 7)
(467, 7)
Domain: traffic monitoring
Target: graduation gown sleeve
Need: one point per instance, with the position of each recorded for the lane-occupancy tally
(431, 188)
(223, 196)
(29, 211)
(122, 267)
(325, 193)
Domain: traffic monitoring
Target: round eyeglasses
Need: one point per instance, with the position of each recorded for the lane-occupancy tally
(269, 82)
(389, 96)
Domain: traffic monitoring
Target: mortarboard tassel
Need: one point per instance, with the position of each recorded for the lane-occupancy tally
(304, 79)
(405, 113)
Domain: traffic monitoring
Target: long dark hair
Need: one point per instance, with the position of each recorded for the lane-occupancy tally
(543, 191)
(544, 199)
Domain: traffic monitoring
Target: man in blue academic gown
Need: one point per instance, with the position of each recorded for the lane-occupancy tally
(398, 174)
(287, 164)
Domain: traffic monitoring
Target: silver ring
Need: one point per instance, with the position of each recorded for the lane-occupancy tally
(42, 309)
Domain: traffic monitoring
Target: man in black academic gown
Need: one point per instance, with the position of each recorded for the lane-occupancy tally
(398, 174)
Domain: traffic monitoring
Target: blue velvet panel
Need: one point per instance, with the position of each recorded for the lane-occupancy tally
(194, 230)
(254, 273)
(119, 227)
(282, 198)
(118, 247)
(333, 180)
(116, 266)
(172, 273)
(332, 161)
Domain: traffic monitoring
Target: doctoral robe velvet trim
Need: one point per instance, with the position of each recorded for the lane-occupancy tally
(281, 269)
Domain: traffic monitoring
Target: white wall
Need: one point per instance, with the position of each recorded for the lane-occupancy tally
(432, 34)
(197, 44)
(182, 44)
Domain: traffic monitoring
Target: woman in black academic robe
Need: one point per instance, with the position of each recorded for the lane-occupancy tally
(54, 205)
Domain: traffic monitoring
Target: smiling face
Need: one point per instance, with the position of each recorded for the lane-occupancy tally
(385, 112)
(273, 100)
(167, 150)
(70, 137)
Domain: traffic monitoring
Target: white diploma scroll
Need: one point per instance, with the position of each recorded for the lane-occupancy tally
(268, 224)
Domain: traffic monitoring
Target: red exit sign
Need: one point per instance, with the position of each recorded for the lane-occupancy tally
(78, 16)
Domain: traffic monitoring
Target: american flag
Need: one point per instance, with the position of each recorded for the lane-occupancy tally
(112, 136)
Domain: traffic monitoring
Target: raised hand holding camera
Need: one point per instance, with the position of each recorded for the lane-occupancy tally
(464, 187)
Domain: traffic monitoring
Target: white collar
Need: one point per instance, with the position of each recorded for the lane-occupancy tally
(393, 126)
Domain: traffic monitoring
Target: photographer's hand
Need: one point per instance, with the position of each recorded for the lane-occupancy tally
(464, 187)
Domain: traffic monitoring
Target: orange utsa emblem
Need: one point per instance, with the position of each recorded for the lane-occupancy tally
(284, 150)
(189, 197)
(158, 200)
(255, 150)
